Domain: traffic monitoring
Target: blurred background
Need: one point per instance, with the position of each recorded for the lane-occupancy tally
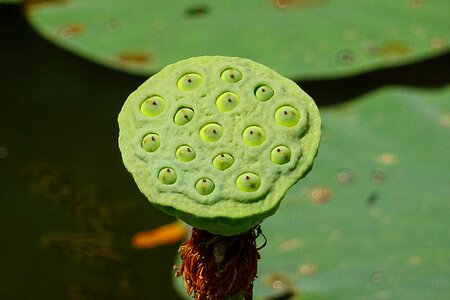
(369, 222)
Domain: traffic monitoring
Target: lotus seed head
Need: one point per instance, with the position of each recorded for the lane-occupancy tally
(248, 182)
(183, 116)
(205, 186)
(167, 176)
(153, 106)
(211, 132)
(231, 76)
(254, 136)
(185, 153)
(280, 155)
(287, 116)
(189, 81)
(151, 142)
(263, 93)
(216, 141)
(223, 161)
(227, 101)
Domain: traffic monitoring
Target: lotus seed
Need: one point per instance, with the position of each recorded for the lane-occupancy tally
(167, 176)
(153, 106)
(231, 76)
(183, 116)
(227, 101)
(151, 142)
(280, 155)
(263, 93)
(287, 116)
(189, 82)
(211, 132)
(205, 186)
(248, 182)
(185, 153)
(223, 161)
(254, 136)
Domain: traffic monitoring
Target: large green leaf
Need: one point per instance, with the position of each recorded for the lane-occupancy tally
(371, 219)
(298, 38)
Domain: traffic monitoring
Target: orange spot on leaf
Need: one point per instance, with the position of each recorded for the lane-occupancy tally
(71, 31)
(134, 58)
(31, 5)
(163, 235)
(394, 49)
(285, 4)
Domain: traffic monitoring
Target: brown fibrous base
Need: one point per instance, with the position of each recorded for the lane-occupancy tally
(215, 267)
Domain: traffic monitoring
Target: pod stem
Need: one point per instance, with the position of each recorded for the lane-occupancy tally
(216, 267)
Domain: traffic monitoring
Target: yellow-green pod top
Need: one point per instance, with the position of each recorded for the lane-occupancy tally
(206, 143)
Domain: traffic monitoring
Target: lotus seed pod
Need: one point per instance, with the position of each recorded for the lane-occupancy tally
(235, 176)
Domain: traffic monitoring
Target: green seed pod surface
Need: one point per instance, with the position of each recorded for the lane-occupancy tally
(242, 156)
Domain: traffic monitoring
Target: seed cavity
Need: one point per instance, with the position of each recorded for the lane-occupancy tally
(248, 182)
(223, 161)
(227, 101)
(287, 116)
(211, 132)
(185, 153)
(183, 116)
(231, 76)
(189, 81)
(167, 176)
(280, 155)
(205, 186)
(263, 93)
(153, 106)
(254, 135)
(151, 142)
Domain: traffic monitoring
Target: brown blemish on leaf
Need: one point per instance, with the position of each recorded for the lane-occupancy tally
(393, 49)
(320, 194)
(386, 159)
(291, 4)
(344, 176)
(307, 270)
(444, 120)
(377, 176)
(415, 260)
(31, 5)
(71, 31)
(438, 43)
(137, 58)
(290, 245)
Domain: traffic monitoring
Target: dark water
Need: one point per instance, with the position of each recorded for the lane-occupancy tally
(68, 206)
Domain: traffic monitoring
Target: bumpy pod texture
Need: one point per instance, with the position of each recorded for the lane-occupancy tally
(217, 141)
